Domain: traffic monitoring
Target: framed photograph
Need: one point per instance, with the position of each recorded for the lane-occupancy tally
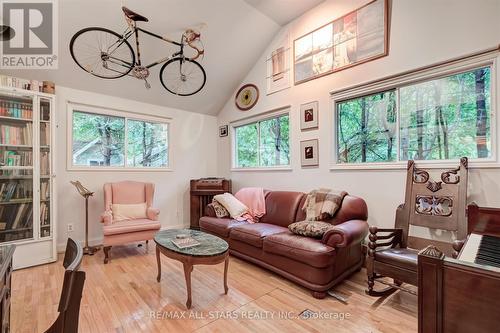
(350, 40)
(223, 131)
(309, 153)
(278, 64)
(309, 117)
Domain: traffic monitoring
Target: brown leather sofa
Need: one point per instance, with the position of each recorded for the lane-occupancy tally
(317, 264)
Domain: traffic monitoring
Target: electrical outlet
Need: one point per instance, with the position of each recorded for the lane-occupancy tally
(70, 227)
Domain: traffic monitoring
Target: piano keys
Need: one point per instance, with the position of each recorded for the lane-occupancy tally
(482, 250)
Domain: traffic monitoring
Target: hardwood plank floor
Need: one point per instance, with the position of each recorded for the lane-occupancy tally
(123, 296)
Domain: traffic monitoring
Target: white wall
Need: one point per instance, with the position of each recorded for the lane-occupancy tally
(421, 33)
(193, 147)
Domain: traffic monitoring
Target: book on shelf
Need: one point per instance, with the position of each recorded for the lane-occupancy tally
(44, 214)
(16, 135)
(45, 134)
(44, 163)
(17, 110)
(16, 191)
(44, 190)
(16, 158)
(15, 217)
(14, 82)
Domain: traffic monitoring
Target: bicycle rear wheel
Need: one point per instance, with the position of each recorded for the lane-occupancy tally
(182, 76)
(102, 52)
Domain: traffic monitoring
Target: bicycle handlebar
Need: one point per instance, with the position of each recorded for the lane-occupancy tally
(191, 36)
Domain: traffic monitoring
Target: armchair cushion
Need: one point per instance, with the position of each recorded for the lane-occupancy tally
(122, 227)
(345, 234)
(405, 258)
(123, 212)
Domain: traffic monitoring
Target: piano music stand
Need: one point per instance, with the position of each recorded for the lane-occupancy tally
(84, 192)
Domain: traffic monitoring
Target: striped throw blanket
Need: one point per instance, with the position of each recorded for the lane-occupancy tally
(322, 204)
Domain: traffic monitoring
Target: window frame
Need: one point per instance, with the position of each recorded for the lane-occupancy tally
(485, 59)
(126, 115)
(276, 113)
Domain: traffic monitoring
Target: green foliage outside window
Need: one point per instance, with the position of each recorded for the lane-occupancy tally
(99, 140)
(264, 143)
(439, 119)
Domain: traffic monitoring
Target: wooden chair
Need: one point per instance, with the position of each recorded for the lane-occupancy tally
(428, 203)
(71, 295)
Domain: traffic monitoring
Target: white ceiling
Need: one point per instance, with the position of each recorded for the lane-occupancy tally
(283, 11)
(236, 33)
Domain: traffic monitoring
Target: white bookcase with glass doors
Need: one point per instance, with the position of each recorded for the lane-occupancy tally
(27, 175)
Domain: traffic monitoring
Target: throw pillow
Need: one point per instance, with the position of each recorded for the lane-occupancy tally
(233, 205)
(315, 229)
(122, 212)
(220, 211)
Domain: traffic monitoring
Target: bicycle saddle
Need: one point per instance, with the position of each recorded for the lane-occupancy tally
(133, 15)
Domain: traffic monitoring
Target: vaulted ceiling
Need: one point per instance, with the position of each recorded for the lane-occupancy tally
(234, 32)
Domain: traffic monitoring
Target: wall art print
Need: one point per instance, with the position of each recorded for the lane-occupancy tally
(355, 38)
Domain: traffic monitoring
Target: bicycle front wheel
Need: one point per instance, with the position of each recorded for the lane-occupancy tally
(182, 76)
(102, 52)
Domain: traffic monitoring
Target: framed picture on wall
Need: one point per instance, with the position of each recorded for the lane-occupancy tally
(353, 39)
(223, 131)
(309, 153)
(278, 64)
(309, 117)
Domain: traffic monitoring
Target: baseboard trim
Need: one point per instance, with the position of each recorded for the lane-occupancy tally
(61, 247)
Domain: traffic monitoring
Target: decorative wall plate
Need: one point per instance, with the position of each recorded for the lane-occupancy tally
(247, 97)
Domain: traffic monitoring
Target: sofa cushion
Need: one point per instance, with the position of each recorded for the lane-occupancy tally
(281, 207)
(219, 210)
(315, 229)
(405, 258)
(219, 227)
(235, 207)
(123, 227)
(254, 233)
(304, 249)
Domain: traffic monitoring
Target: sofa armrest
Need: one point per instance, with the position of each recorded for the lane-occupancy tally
(152, 213)
(345, 234)
(107, 217)
(210, 211)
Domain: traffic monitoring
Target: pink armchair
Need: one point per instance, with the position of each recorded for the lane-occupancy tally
(127, 231)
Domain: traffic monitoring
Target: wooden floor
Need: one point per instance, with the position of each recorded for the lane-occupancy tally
(123, 296)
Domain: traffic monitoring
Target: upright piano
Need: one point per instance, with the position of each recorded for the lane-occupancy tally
(462, 294)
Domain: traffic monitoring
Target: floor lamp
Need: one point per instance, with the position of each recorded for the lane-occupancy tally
(90, 250)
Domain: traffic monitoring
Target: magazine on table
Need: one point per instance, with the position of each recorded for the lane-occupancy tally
(184, 243)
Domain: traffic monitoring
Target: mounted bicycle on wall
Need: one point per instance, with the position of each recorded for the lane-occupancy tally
(108, 55)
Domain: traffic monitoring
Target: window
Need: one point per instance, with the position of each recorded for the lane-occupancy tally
(436, 119)
(263, 143)
(100, 140)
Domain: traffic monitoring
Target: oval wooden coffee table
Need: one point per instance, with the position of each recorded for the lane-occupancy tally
(211, 250)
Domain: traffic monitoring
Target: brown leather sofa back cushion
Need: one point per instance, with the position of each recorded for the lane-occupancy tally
(353, 208)
(282, 207)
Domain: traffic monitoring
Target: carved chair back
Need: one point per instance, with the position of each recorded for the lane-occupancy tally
(435, 204)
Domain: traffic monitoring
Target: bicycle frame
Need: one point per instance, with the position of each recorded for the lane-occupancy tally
(134, 30)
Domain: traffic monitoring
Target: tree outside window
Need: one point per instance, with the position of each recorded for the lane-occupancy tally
(264, 143)
(439, 119)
